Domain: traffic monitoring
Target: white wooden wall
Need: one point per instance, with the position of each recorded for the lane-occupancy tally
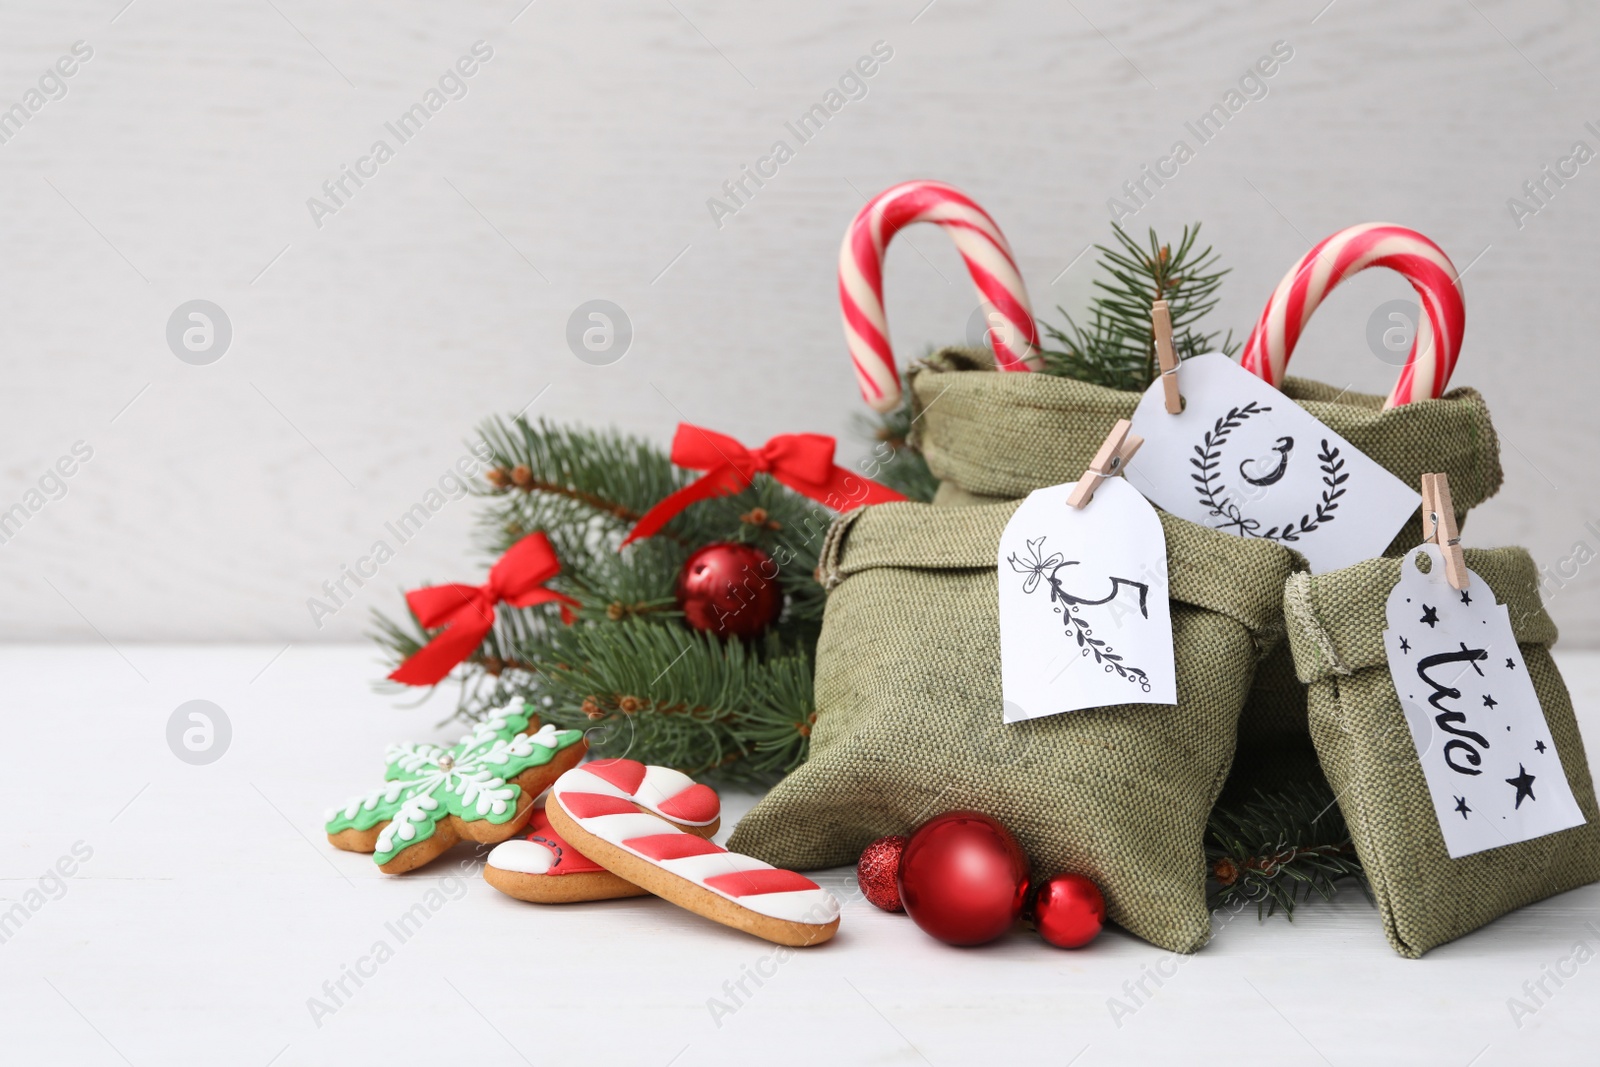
(578, 165)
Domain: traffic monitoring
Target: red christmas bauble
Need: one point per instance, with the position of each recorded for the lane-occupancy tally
(730, 590)
(878, 872)
(1068, 910)
(963, 878)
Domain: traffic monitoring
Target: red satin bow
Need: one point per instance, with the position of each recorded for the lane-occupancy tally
(802, 461)
(467, 611)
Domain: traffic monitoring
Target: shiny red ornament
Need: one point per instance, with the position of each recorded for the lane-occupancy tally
(878, 872)
(963, 878)
(1068, 910)
(730, 590)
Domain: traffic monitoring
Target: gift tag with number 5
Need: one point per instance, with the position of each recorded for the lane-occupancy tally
(1084, 617)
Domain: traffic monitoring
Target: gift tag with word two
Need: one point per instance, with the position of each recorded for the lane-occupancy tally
(1084, 618)
(1491, 766)
(1243, 458)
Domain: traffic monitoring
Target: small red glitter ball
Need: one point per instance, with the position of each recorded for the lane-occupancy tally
(1069, 910)
(730, 590)
(878, 870)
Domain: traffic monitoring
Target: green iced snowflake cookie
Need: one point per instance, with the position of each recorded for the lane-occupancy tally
(481, 789)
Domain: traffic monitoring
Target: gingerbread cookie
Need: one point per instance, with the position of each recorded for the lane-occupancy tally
(609, 825)
(481, 789)
(542, 867)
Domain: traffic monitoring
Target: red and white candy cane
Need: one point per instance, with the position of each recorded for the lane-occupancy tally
(988, 259)
(1372, 244)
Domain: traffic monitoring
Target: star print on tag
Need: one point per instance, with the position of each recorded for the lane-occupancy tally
(1084, 617)
(1491, 766)
(1243, 458)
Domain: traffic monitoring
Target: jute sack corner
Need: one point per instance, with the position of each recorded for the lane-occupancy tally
(1336, 623)
(909, 716)
(991, 436)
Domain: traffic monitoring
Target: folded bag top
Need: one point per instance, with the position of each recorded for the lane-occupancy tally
(909, 706)
(1336, 623)
(989, 436)
(1002, 436)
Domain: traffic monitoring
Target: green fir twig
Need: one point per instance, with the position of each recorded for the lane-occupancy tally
(629, 671)
(1277, 850)
(1115, 347)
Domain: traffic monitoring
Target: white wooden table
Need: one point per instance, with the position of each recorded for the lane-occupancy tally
(210, 911)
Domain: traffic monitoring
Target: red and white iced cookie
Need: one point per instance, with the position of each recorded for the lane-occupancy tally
(542, 867)
(600, 809)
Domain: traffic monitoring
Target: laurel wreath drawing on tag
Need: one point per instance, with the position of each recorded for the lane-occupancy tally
(1213, 494)
(1039, 566)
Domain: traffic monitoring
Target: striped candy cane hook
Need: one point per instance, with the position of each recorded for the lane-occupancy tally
(1374, 244)
(982, 246)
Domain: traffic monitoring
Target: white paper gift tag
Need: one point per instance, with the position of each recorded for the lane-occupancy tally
(1485, 749)
(1243, 458)
(1084, 618)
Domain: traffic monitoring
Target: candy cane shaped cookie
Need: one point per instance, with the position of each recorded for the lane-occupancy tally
(543, 867)
(1374, 244)
(602, 815)
(982, 246)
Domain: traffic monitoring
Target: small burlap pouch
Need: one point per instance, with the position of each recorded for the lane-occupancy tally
(991, 436)
(1336, 623)
(909, 716)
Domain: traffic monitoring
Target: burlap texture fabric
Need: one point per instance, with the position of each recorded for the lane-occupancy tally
(909, 716)
(991, 436)
(1336, 623)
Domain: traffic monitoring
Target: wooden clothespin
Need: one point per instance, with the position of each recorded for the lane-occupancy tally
(1439, 527)
(1161, 319)
(1119, 446)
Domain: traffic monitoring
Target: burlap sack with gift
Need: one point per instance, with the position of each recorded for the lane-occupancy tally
(909, 709)
(991, 436)
(1336, 623)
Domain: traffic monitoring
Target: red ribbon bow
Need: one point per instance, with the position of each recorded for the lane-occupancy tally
(801, 461)
(467, 611)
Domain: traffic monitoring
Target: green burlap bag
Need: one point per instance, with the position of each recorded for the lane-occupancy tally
(909, 716)
(1336, 623)
(990, 436)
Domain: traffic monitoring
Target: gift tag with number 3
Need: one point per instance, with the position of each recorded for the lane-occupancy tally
(1243, 458)
(1084, 617)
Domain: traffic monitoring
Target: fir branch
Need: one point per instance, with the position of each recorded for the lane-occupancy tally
(629, 670)
(1279, 849)
(522, 478)
(586, 482)
(1116, 347)
(693, 702)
